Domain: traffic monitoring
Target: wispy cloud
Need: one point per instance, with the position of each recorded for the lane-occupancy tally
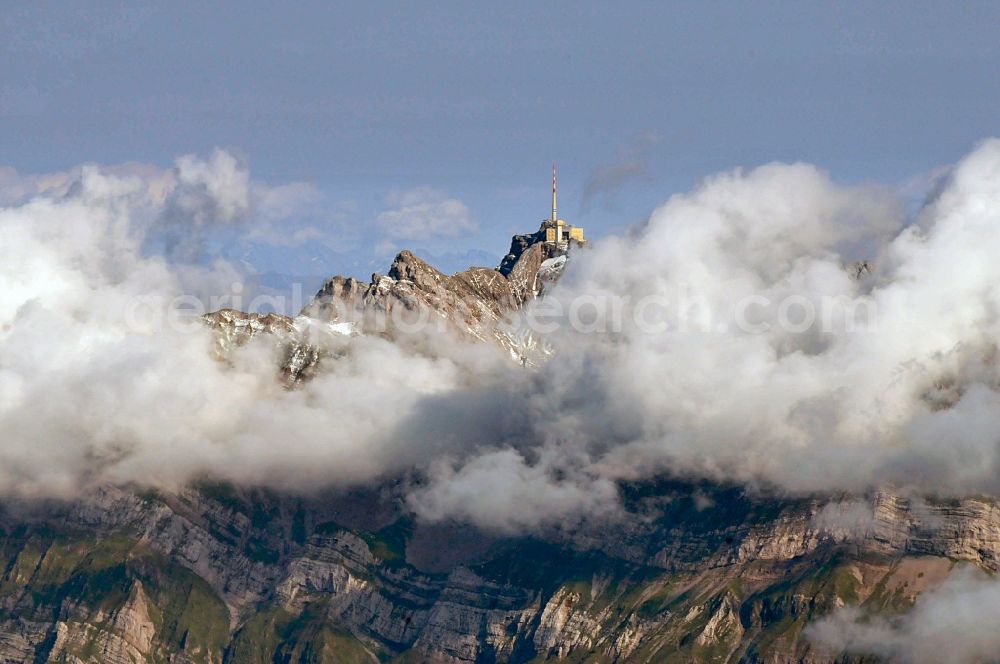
(420, 215)
(630, 165)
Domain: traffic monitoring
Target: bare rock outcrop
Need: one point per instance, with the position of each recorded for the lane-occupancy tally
(414, 298)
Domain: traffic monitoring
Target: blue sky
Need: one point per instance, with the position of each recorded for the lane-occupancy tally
(466, 104)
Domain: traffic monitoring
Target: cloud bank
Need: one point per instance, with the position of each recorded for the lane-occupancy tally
(909, 397)
(912, 396)
(102, 378)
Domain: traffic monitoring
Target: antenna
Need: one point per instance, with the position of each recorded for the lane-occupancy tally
(554, 217)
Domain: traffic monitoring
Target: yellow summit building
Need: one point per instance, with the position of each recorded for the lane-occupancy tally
(558, 231)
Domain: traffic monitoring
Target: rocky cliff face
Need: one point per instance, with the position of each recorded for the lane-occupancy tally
(218, 574)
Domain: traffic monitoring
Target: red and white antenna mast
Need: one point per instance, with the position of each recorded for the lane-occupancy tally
(554, 217)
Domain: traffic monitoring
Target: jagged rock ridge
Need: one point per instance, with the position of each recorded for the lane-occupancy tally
(413, 298)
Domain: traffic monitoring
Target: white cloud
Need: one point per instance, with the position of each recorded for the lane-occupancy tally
(500, 490)
(958, 622)
(806, 410)
(423, 214)
(912, 400)
(212, 191)
(850, 520)
(97, 385)
(16, 187)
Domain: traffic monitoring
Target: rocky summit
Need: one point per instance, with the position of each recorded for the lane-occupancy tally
(413, 299)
